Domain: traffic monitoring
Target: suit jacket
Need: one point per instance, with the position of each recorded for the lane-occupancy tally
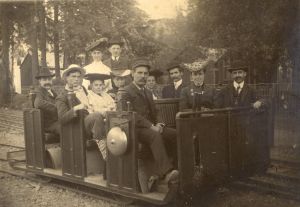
(170, 92)
(228, 97)
(202, 96)
(140, 102)
(46, 102)
(122, 63)
(65, 111)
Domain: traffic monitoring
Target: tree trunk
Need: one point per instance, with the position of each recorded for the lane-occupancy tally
(56, 42)
(4, 58)
(33, 41)
(43, 41)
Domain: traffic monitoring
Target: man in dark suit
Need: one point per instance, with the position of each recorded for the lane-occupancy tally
(238, 93)
(45, 101)
(117, 61)
(149, 132)
(68, 107)
(198, 95)
(173, 90)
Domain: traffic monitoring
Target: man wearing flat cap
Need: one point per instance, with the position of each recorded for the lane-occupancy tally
(68, 109)
(198, 95)
(173, 90)
(97, 50)
(45, 101)
(237, 93)
(117, 61)
(149, 132)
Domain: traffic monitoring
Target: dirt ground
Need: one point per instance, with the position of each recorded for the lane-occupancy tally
(19, 192)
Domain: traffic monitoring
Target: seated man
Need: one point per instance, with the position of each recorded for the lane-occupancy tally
(237, 93)
(173, 90)
(93, 121)
(198, 95)
(45, 100)
(150, 133)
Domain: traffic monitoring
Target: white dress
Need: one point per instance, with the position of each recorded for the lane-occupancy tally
(100, 103)
(98, 67)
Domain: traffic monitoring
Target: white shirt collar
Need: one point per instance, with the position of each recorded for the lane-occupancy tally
(115, 58)
(177, 84)
(49, 91)
(138, 87)
(241, 85)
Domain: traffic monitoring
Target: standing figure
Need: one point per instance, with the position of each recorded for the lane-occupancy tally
(97, 50)
(117, 61)
(173, 90)
(151, 84)
(198, 95)
(237, 93)
(148, 131)
(45, 101)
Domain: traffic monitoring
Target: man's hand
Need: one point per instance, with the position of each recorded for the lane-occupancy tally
(157, 128)
(257, 104)
(79, 107)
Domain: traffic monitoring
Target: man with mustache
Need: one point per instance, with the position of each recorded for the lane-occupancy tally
(238, 93)
(148, 131)
(45, 101)
(198, 95)
(173, 90)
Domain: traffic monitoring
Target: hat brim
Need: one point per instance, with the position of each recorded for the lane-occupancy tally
(244, 68)
(121, 73)
(44, 76)
(73, 69)
(96, 76)
(115, 43)
(171, 67)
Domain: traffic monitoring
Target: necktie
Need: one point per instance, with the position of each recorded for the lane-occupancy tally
(238, 89)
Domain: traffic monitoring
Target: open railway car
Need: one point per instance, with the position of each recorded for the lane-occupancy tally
(214, 147)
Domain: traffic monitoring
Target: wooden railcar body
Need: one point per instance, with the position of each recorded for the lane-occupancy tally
(213, 147)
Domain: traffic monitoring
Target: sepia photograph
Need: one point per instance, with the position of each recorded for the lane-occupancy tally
(171, 103)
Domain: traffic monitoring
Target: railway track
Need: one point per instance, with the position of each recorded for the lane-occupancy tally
(78, 189)
(11, 120)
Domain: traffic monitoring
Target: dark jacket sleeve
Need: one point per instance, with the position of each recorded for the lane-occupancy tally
(165, 92)
(65, 114)
(44, 105)
(122, 106)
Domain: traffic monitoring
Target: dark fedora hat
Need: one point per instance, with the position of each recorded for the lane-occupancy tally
(156, 73)
(115, 41)
(44, 72)
(72, 68)
(237, 65)
(96, 76)
(140, 62)
(100, 45)
(174, 64)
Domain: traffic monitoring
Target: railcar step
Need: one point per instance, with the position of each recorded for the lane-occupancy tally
(285, 173)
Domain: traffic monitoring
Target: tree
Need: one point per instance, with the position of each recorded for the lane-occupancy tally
(259, 31)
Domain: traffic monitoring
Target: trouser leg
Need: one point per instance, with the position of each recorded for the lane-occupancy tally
(155, 141)
(170, 139)
(94, 125)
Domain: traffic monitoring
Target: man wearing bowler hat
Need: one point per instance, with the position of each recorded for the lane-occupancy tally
(197, 95)
(237, 93)
(149, 132)
(173, 90)
(117, 61)
(45, 100)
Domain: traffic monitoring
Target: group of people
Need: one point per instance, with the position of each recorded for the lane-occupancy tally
(95, 88)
